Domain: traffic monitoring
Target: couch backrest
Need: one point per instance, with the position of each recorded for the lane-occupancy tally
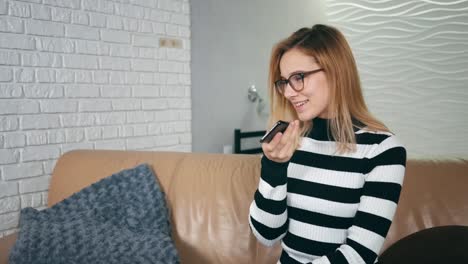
(435, 193)
(209, 196)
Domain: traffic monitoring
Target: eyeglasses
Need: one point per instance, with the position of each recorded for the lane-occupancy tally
(296, 81)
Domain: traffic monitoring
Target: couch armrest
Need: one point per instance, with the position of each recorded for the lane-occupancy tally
(6, 243)
(442, 244)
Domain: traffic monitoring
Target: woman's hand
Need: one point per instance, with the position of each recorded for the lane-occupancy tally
(282, 146)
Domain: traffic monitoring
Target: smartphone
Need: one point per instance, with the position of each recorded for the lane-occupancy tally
(280, 126)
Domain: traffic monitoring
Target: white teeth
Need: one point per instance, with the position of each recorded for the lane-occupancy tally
(299, 104)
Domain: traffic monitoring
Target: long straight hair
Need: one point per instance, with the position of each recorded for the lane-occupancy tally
(347, 107)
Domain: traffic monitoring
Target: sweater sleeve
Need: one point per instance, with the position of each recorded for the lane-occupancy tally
(268, 216)
(377, 206)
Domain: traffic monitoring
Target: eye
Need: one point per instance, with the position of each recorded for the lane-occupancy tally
(296, 77)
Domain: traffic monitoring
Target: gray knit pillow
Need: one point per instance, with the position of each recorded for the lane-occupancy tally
(120, 219)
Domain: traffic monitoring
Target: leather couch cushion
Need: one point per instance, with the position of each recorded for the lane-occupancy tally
(443, 244)
(208, 194)
(6, 243)
(434, 194)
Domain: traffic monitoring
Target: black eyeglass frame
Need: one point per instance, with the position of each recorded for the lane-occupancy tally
(281, 84)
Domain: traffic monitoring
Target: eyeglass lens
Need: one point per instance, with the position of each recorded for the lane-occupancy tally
(296, 81)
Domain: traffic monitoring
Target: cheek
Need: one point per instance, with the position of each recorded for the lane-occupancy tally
(322, 87)
(317, 88)
(324, 93)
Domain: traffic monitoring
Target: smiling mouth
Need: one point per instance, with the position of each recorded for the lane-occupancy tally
(301, 103)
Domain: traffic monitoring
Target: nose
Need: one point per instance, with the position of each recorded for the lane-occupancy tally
(289, 91)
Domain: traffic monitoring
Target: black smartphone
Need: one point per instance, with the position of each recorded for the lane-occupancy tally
(280, 126)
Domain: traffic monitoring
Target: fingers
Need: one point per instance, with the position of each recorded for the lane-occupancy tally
(282, 145)
(276, 141)
(290, 138)
(289, 133)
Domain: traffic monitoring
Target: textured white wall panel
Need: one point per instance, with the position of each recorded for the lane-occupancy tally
(413, 61)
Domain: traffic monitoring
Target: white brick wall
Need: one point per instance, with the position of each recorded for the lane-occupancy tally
(86, 74)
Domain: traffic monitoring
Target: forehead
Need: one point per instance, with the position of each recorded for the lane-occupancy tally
(295, 60)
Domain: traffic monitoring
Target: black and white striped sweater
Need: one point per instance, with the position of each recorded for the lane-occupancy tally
(327, 207)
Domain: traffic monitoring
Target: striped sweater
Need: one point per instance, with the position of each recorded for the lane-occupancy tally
(327, 207)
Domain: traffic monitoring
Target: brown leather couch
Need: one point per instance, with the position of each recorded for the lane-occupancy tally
(209, 197)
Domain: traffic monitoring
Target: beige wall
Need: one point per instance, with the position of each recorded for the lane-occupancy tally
(231, 46)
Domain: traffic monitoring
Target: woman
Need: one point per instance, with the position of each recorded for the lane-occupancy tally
(330, 183)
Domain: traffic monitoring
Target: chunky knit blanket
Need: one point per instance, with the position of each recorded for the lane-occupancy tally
(120, 219)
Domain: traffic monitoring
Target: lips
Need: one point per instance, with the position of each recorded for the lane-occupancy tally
(299, 104)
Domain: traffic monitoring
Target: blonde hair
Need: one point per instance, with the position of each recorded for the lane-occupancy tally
(331, 51)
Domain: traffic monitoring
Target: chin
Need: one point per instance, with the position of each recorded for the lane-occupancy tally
(305, 116)
(309, 115)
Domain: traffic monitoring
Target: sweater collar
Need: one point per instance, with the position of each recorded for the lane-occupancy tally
(321, 128)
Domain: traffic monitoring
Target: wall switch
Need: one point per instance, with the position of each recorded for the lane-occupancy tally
(170, 43)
